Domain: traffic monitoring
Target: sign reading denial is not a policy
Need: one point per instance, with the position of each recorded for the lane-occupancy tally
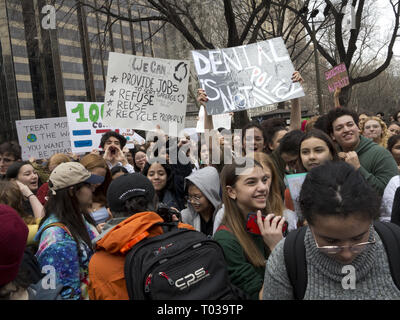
(41, 138)
(143, 92)
(246, 77)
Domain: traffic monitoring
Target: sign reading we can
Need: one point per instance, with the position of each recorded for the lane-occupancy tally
(246, 77)
(337, 77)
(143, 93)
(41, 138)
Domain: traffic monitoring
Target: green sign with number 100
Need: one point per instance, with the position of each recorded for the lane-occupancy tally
(94, 112)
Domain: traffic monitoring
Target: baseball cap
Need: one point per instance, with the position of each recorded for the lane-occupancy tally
(128, 186)
(71, 173)
(13, 237)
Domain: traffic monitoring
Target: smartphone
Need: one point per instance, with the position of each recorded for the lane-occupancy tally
(252, 226)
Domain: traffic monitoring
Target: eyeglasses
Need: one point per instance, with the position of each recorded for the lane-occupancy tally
(193, 199)
(356, 248)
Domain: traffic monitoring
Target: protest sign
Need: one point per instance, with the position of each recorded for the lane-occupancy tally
(86, 126)
(143, 92)
(132, 138)
(337, 77)
(223, 120)
(41, 138)
(191, 132)
(294, 183)
(246, 77)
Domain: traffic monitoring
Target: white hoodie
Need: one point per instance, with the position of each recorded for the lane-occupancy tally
(207, 180)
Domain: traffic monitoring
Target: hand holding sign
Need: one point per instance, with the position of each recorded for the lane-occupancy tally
(202, 96)
(296, 77)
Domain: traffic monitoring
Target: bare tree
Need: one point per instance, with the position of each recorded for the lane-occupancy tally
(354, 46)
(211, 24)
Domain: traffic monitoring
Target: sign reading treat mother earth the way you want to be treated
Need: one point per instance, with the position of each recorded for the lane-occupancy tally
(247, 76)
(41, 138)
(143, 93)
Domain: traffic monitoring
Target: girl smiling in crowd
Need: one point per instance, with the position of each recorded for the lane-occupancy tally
(246, 252)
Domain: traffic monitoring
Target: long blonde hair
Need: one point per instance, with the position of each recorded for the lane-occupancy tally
(274, 197)
(384, 134)
(234, 218)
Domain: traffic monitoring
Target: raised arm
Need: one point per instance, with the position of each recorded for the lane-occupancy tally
(295, 110)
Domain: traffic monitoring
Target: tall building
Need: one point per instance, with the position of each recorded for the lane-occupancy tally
(44, 66)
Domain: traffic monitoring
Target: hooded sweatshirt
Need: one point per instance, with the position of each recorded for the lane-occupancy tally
(106, 267)
(207, 180)
(377, 164)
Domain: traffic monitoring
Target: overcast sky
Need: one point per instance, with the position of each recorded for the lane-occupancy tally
(385, 20)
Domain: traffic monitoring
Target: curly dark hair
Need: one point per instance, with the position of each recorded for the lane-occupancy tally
(107, 135)
(337, 113)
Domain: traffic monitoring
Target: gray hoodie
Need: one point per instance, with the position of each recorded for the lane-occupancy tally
(207, 180)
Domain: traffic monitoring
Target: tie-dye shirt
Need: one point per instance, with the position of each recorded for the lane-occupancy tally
(59, 250)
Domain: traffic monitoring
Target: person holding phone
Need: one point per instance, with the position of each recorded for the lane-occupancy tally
(245, 189)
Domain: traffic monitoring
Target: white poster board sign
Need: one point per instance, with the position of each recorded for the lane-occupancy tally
(143, 93)
(246, 77)
(223, 120)
(86, 127)
(41, 138)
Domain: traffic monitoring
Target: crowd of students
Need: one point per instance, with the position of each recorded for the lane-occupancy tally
(81, 214)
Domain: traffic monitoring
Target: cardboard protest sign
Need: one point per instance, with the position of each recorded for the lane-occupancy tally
(86, 127)
(337, 77)
(143, 92)
(41, 138)
(246, 77)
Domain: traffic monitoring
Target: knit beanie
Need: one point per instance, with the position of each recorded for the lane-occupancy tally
(13, 237)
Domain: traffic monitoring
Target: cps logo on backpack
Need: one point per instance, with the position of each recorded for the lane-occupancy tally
(192, 278)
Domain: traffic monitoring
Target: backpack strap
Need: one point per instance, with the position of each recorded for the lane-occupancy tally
(390, 235)
(58, 224)
(295, 260)
(64, 227)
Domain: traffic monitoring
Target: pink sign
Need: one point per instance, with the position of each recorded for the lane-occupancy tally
(337, 77)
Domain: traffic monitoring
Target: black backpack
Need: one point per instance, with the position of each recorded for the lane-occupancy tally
(295, 255)
(180, 264)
